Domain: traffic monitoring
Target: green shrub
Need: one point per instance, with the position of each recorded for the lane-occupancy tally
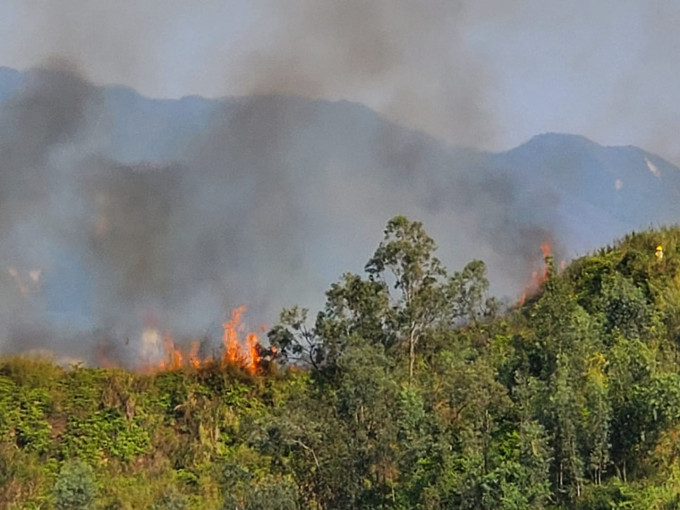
(171, 500)
(75, 488)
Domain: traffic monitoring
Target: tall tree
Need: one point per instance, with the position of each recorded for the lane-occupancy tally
(405, 259)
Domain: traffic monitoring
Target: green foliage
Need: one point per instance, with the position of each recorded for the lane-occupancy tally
(411, 389)
(104, 433)
(171, 500)
(32, 429)
(75, 488)
(268, 496)
(9, 409)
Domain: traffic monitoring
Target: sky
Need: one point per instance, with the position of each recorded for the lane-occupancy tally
(488, 74)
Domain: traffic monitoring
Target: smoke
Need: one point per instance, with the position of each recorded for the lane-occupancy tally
(91, 244)
(265, 206)
(416, 63)
(488, 74)
(36, 124)
(117, 213)
(273, 197)
(411, 61)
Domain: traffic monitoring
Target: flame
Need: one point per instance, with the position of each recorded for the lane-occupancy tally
(161, 353)
(234, 352)
(173, 354)
(253, 352)
(232, 348)
(193, 355)
(546, 249)
(537, 277)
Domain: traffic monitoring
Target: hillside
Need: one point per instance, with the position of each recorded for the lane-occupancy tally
(129, 207)
(599, 190)
(569, 401)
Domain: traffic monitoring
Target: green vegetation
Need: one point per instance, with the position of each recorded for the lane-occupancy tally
(409, 390)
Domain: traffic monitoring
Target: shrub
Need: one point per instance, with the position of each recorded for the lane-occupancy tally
(75, 488)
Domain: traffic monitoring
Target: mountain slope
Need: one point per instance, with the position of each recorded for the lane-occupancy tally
(601, 192)
(137, 210)
(543, 406)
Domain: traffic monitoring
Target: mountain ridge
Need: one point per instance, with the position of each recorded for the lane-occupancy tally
(272, 197)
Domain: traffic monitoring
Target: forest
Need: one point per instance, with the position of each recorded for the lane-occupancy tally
(412, 388)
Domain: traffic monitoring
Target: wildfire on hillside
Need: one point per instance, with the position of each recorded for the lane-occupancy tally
(538, 277)
(241, 348)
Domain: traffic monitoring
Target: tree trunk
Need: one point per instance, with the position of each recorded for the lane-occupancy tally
(411, 352)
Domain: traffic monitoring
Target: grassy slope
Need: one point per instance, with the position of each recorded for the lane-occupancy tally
(214, 433)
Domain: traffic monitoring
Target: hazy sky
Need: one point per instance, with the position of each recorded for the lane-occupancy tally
(490, 74)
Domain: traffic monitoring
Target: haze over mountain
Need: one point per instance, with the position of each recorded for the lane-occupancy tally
(117, 210)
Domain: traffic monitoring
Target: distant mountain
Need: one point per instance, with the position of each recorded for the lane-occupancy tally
(585, 193)
(193, 205)
(601, 192)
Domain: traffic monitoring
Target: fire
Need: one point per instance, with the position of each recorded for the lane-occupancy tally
(175, 360)
(232, 348)
(253, 352)
(537, 277)
(193, 355)
(546, 249)
(240, 351)
(234, 351)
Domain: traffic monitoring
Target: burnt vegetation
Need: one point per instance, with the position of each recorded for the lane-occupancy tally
(412, 388)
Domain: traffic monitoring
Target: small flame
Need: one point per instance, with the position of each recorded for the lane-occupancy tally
(537, 277)
(234, 352)
(174, 355)
(193, 355)
(546, 249)
(232, 348)
(253, 352)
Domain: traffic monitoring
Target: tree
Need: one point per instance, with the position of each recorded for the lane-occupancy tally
(408, 296)
(467, 291)
(625, 307)
(406, 257)
(292, 341)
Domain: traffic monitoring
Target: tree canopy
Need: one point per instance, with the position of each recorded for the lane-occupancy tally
(411, 389)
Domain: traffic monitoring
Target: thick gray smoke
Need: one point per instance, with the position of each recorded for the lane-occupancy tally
(484, 73)
(39, 209)
(412, 61)
(265, 206)
(414, 56)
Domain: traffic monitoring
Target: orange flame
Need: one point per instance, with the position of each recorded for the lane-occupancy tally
(173, 354)
(234, 352)
(546, 249)
(243, 353)
(253, 352)
(193, 355)
(537, 277)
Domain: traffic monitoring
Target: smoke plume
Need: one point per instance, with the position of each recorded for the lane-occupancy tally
(413, 62)
(265, 206)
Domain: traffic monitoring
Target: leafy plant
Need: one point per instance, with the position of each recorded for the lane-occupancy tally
(75, 488)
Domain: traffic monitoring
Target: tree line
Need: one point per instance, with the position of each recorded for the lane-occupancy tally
(411, 389)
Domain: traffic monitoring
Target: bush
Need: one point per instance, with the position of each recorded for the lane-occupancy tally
(171, 500)
(75, 488)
